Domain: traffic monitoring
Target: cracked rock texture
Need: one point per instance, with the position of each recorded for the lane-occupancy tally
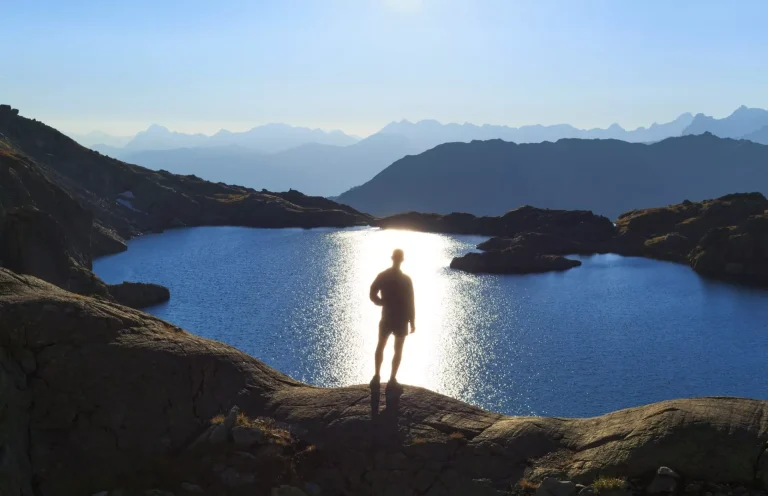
(91, 391)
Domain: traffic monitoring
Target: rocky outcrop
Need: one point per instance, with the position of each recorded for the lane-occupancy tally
(738, 253)
(33, 242)
(95, 394)
(139, 294)
(726, 238)
(512, 261)
(575, 225)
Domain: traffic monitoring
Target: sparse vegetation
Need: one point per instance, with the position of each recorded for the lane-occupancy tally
(218, 419)
(605, 484)
(528, 485)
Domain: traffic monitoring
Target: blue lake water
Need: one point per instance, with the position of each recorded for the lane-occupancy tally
(613, 333)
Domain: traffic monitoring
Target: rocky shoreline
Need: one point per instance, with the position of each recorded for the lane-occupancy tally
(724, 238)
(98, 397)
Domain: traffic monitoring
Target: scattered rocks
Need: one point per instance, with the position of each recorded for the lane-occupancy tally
(665, 481)
(247, 435)
(553, 487)
(232, 478)
(192, 488)
(287, 491)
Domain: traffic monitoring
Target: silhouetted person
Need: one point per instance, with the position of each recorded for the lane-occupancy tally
(397, 312)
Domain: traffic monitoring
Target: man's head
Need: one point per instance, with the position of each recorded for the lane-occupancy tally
(397, 257)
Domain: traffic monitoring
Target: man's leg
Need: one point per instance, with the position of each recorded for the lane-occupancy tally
(399, 342)
(379, 356)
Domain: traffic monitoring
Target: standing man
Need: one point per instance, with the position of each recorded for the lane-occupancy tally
(397, 311)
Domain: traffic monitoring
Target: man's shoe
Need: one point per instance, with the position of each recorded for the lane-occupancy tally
(393, 385)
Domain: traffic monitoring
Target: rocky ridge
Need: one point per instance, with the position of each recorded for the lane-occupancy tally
(68, 430)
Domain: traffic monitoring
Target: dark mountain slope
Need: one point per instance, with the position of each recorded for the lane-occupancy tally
(606, 176)
(62, 204)
(127, 200)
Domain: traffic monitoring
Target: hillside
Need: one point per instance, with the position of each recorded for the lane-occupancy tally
(317, 169)
(606, 176)
(62, 204)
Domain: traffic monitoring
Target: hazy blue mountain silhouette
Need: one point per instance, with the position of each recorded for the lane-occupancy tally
(317, 169)
(608, 177)
(759, 136)
(94, 138)
(270, 138)
(427, 134)
(741, 123)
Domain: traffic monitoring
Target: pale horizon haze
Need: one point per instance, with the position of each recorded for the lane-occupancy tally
(356, 65)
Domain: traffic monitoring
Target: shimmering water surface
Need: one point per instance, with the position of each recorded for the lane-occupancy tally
(614, 333)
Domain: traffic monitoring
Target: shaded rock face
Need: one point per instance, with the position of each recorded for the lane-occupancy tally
(95, 393)
(139, 294)
(33, 242)
(512, 261)
(725, 238)
(738, 253)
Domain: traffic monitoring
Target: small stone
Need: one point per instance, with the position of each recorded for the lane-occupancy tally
(204, 437)
(222, 431)
(232, 478)
(553, 487)
(666, 471)
(693, 488)
(287, 491)
(664, 482)
(192, 488)
(312, 489)
(247, 436)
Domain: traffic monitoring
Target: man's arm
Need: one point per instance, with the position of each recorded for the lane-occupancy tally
(411, 307)
(374, 294)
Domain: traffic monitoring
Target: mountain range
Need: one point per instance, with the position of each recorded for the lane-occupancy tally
(279, 157)
(607, 177)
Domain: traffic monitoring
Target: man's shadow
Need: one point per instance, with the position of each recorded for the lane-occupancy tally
(392, 402)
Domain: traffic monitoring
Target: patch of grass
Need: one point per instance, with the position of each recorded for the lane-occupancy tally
(456, 436)
(218, 419)
(604, 484)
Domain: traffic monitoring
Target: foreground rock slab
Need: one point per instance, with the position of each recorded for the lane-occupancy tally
(94, 392)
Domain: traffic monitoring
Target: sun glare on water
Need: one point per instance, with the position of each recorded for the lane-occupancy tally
(436, 346)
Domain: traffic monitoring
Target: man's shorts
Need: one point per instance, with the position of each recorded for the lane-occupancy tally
(398, 329)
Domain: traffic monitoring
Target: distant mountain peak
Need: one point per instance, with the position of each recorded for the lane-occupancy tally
(157, 128)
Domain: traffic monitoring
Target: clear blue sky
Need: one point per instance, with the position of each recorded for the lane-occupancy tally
(358, 64)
